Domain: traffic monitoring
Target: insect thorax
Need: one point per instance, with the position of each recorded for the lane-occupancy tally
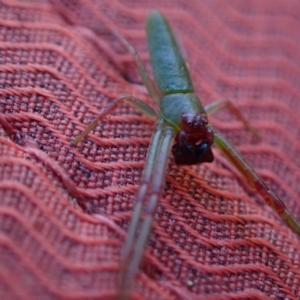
(172, 107)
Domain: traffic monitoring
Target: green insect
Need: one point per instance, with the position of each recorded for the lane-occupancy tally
(183, 119)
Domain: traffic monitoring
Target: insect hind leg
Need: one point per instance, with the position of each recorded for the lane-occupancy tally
(256, 182)
(154, 94)
(213, 107)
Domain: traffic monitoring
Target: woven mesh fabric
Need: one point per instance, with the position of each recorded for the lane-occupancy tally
(64, 211)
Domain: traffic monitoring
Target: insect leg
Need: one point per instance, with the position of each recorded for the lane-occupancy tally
(213, 107)
(256, 182)
(141, 106)
(150, 190)
(141, 68)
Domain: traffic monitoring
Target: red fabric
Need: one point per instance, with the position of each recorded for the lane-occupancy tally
(213, 236)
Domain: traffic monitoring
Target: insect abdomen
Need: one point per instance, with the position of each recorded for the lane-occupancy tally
(170, 71)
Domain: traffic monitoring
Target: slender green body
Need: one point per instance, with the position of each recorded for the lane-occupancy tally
(170, 72)
(169, 68)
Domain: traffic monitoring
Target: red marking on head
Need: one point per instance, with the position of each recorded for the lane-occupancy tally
(191, 122)
(195, 127)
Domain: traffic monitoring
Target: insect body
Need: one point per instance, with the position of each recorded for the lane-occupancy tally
(182, 118)
(188, 120)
